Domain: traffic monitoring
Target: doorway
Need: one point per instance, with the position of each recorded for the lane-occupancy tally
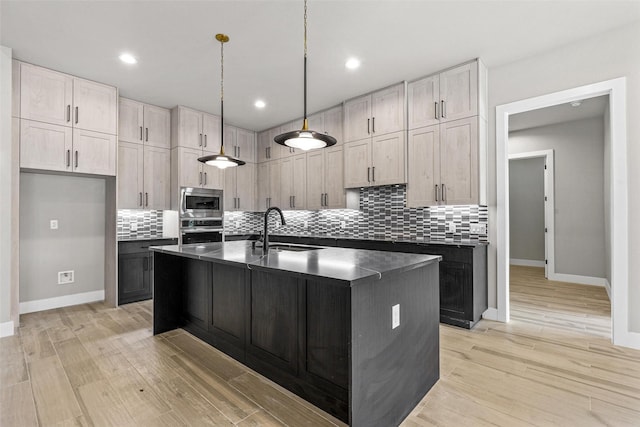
(617, 215)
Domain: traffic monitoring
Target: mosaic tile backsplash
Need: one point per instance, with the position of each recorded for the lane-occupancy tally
(382, 215)
(139, 224)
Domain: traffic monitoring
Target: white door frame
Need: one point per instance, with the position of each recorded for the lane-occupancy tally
(549, 207)
(616, 90)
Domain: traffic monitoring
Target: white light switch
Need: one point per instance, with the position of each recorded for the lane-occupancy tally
(53, 224)
(395, 316)
(133, 226)
(451, 227)
(343, 224)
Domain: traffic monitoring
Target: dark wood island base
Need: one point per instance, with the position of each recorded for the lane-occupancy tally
(324, 333)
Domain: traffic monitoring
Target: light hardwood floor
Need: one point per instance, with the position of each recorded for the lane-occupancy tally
(92, 365)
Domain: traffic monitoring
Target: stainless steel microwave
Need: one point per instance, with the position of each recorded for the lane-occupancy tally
(201, 203)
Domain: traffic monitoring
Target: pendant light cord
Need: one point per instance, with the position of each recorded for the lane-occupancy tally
(222, 97)
(304, 125)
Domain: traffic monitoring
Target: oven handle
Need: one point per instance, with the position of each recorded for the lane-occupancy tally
(200, 230)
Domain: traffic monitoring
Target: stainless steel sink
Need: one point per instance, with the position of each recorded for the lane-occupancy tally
(279, 247)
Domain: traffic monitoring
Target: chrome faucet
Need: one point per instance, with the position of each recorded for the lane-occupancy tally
(265, 243)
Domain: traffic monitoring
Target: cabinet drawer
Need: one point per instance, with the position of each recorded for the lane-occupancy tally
(137, 246)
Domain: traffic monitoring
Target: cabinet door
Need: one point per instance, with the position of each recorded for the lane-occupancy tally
(357, 118)
(211, 133)
(334, 178)
(45, 95)
(315, 178)
(189, 168)
(387, 110)
(316, 122)
(264, 185)
(133, 277)
(333, 123)
(286, 183)
(197, 282)
(94, 152)
(424, 102)
(95, 106)
(246, 143)
(263, 146)
(388, 159)
(212, 177)
(131, 121)
(275, 178)
(228, 310)
(459, 91)
(276, 151)
(130, 175)
(299, 181)
(230, 140)
(459, 161)
(189, 128)
(230, 186)
(246, 187)
(454, 286)
(423, 160)
(157, 174)
(157, 126)
(45, 146)
(357, 163)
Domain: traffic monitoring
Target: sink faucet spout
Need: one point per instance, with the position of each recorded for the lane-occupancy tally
(265, 243)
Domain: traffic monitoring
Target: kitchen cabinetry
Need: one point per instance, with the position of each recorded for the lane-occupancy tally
(144, 124)
(195, 129)
(143, 177)
(378, 113)
(449, 95)
(329, 122)
(267, 147)
(376, 161)
(67, 123)
(134, 269)
(240, 143)
(187, 171)
(239, 188)
(293, 182)
(269, 190)
(325, 179)
(443, 164)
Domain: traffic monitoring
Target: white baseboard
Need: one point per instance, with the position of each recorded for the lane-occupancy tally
(574, 278)
(490, 314)
(607, 287)
(629, 339)
(57, 302)
(6, 329)
(526, 262)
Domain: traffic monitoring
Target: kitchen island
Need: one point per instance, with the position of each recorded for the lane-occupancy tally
(355, 332)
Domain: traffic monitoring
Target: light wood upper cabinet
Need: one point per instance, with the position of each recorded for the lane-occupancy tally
(211, 133)
(450, 95)
(46, 95)
(240, 188)
(379, 113)
(130, 175)
(293, 182)
(379, 161)
(195, 129)
(262, 146)
(94, 152)
(157, 173)
(357, 163)
(443, 164)
(264, 185)
(329, 122)
(95, 106)
(325, 180)
(187, 171)
(275, 178)
(15, 89)
(144, 124)
(240, 143)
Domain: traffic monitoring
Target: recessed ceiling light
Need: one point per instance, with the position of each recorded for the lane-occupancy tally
(127, 58)
(352, 63)
(260, 104)
(576, 103)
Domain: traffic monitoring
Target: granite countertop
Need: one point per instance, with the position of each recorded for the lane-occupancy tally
(352, 266)
(416, 240)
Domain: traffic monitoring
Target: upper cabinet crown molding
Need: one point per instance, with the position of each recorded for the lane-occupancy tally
(144, 124)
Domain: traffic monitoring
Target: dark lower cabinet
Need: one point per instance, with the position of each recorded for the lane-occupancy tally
(134, 269)
(197, 282)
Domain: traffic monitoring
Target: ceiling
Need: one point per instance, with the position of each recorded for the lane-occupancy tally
(179, 60)
(561, 113)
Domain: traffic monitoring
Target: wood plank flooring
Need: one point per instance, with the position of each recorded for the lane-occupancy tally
(90, 365)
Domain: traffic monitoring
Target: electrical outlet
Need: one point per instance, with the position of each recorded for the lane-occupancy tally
(343, 224)
(395, 316)
(53, 224)
(451, 227)
(133, 226)
(237, 224)
(478, 229)
(65, 277)
(305, 224)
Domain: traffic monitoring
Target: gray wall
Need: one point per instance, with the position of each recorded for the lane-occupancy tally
(5, 184)
(78, 203)
(526, 209)
(579, 191)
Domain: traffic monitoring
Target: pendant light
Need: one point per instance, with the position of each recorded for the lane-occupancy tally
(305, 139)
(221, 160)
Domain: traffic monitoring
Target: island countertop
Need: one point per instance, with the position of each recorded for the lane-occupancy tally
(350, 266)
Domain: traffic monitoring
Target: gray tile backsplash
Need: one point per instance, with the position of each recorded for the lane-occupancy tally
(139, 224)
(382, 215)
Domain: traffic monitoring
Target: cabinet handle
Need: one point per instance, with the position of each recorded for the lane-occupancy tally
(205, 178)
(269, 152)
(146, 199)
(269, 202)
(321, 199)
(77, 115)
(443, 113)
(68, 113)
(141, 198)
(326, 199)
(200, 178)
(436, 111)
(76, 158)
(68, 158)
(368, 122)
(140, 133)
(368, 174)
(294, 201)
(444, 194)
(436, 192)
(373, 125)
(146, 134)
(205, 139)
(238, 202)
(373, 174)
(200, 142)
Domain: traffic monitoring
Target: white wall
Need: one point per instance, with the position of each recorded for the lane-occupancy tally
(5, 189)
(78, 204)
(607, 195)
(526, 209)
(607, 56)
